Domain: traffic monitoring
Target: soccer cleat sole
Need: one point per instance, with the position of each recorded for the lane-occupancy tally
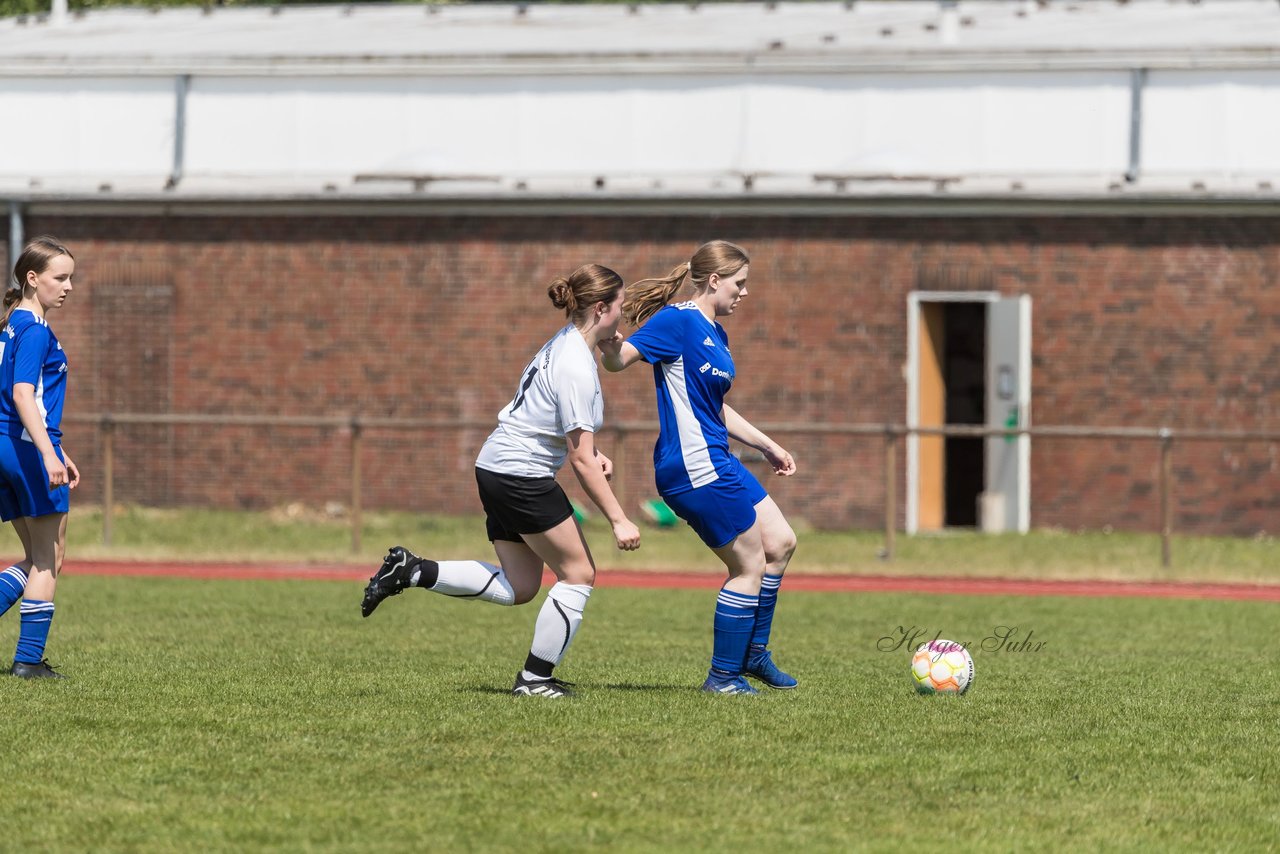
(375, 591)
(768, 684)
(373, 597)
(550, 688)
(729, 688)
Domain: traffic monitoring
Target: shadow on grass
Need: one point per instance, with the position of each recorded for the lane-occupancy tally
(579, 687)
(628, 686)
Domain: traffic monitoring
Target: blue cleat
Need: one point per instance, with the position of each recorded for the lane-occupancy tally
(760, 665)
(724, 683)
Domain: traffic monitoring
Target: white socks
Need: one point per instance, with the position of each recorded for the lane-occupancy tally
(474, 579)
(557, 623)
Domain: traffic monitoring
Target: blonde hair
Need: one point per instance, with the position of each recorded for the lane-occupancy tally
(582, 289)
(34, 258)
(646, 296)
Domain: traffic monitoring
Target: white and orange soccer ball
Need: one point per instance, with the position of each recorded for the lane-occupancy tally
(941, 667)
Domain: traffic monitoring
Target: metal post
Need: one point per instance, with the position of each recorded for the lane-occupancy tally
(108, 477)
(619, 454)
(15, 239)
(1137, 82)
(1166, 504)
(181, 85)
(357, 522)
(890, 490)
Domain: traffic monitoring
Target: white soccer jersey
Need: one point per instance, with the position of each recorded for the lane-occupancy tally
(559, 391)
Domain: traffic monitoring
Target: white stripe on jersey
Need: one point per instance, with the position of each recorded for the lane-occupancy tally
(693, 445)
(40, 407)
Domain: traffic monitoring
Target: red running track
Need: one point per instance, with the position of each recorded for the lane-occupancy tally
(708, 581)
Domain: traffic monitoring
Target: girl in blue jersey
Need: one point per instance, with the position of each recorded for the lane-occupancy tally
(695, 472)
(35, 473)
(553, 418)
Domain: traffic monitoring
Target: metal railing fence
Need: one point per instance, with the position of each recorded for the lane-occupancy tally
(357, 426)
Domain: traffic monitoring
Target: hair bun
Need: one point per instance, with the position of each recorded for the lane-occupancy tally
(561, 294)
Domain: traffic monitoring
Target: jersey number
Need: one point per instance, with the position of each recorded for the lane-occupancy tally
(524, 387)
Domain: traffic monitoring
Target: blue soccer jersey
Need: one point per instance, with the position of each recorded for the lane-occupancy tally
(693, 371)
(30, 353)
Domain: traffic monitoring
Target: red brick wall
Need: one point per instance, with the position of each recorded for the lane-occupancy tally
(1142, 322)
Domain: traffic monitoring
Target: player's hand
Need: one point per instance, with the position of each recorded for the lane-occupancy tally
(56, 470)
(72, 470)
(626, 535)
(780, 459)
(606, 465)
(611, 346)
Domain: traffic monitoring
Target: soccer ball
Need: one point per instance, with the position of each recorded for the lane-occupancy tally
(941, 667)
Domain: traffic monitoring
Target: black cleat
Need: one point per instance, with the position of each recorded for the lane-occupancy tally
(391, 578)
(551, 687)
(40, 670)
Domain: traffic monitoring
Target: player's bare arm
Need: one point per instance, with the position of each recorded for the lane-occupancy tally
(742, 430)
(586, 465)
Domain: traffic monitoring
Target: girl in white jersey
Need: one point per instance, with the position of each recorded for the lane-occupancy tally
(554, 415)
(695, 472)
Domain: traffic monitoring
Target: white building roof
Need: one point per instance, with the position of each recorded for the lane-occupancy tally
(375, 38)
(1057, 99)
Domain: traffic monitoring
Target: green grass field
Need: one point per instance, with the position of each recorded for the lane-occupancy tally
(266, 715)
(297, 535)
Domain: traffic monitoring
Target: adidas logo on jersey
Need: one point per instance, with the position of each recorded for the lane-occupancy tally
(708, 341)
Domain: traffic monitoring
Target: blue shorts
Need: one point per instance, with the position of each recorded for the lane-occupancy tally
(721, 510)
(24, 483)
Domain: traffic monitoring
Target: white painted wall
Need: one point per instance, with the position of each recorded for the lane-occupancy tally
(1212, 123)
(612, 126)
(96, 128)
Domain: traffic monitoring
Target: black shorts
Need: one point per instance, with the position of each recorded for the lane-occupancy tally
(520, 505)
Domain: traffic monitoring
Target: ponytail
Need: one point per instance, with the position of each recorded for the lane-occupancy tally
(12, 297)
(646, 296)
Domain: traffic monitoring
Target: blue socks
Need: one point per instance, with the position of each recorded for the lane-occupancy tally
(734, 624)
(764, 614)
(36, 618)
(12, 582)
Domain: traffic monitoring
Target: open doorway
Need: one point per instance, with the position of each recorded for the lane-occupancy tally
(952, 391)
(969, 363)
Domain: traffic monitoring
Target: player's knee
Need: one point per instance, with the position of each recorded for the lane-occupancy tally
(525, 591)
(783, 547)
(579, 574)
